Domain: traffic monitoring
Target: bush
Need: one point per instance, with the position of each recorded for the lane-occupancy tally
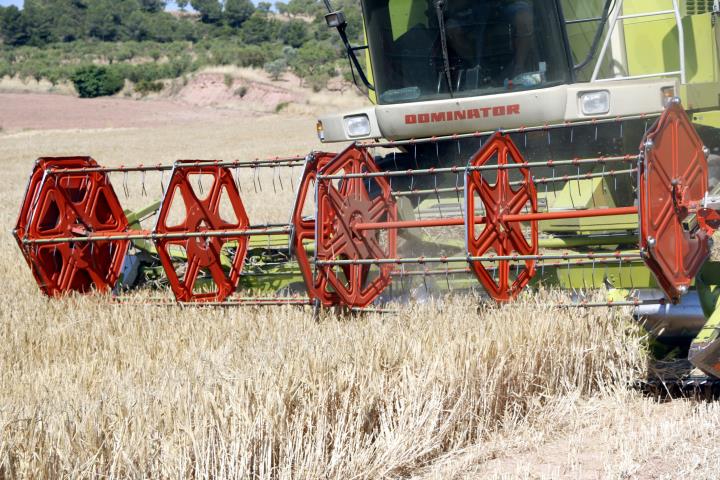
(96, 81)
(276, 68)
(144, 87)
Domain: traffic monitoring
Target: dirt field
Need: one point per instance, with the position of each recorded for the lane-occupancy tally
(444, 390)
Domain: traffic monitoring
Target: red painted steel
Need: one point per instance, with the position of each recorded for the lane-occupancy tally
(673, 181)
(203, 212)
(521, 217)
(340, 205)
(71, 205)
(504, 237)
(303, 233)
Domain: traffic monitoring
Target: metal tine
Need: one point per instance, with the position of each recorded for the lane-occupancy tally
(447, 276)
(424, 277)
(292, 175)
(395, 160)
(200, 185)
(457, 188)
(255, 179)
(437, 195)
(144, 191)
(282, 188)
(572, 134)
(162, 182)
(415, 156)
(572, 198)
(592, 273)
(126, 188)
(237, 179)
(272, 176)
(603, 182)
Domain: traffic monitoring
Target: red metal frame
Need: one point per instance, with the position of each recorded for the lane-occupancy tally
(304, 229)
(501, 233)
(340, 206)
(673, 181)
(65, 206)
(202, 214)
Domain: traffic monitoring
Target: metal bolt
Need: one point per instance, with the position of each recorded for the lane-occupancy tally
(676, 100)
(706, 152)
(651, 242)
(683, 289)
(649, 145)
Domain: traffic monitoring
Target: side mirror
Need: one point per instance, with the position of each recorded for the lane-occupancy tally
(335, 19)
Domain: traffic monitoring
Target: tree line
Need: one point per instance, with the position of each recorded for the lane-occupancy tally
(141, 41)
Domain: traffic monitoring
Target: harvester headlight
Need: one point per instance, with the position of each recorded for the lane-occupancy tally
(357, 126)
(320, 130)
(595, 103)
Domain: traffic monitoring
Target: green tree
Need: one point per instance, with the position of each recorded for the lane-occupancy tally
(210, 10)
(310, 58)
(276, 68)
(138, 25)
(95, 81)
(281, 7)
(264, 6)
(237, 12)
(294, 33)
(304, 7)
(39, 18)
(182, 4)
(153, 6)
(102, 20)
(258, 29)
(14, 27)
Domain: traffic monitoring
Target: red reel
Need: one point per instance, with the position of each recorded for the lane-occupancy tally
(673, 181)
(342, 203)
(495, 234)
(303, 225)
(188, 208)
(62, 206)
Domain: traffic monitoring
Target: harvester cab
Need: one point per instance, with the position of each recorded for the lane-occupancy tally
(509, 144)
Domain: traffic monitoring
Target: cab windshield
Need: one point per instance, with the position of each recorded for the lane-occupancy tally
(435, 49)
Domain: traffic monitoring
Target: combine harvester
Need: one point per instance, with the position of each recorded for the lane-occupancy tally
(510, 144)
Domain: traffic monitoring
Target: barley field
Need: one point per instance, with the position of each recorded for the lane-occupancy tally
(445, 389)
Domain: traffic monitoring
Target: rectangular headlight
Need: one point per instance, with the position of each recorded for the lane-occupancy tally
(357, 126)
(595, 103)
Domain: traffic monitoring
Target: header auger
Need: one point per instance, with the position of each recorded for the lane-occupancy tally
(357, 238)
